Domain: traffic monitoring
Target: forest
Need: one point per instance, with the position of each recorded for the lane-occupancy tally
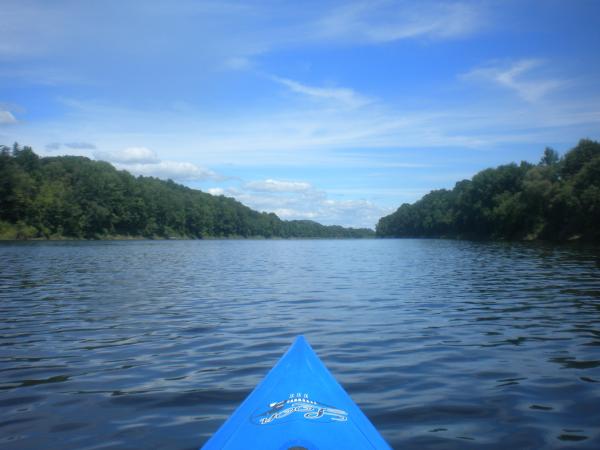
(557, 199)
(74, 197)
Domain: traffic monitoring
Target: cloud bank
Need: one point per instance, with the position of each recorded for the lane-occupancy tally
(299, 200)
(143, 161)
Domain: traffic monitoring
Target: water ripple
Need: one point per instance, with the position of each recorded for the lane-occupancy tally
(443, 344)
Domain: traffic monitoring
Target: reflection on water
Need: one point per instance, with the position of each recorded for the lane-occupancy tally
(443, 344)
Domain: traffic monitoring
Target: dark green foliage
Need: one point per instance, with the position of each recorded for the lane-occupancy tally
(550, 157)
(557, 199)
(76, 197)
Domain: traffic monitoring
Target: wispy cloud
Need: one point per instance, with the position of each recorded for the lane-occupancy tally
(225, 34)
(314, 135)
(7, 118)
(238, 63)
(342, 95)
(80, 145)
(386, 21)
(520, 77)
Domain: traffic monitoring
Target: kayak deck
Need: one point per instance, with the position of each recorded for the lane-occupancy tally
(298, 405)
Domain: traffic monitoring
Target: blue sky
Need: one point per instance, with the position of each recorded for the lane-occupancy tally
(331, 111)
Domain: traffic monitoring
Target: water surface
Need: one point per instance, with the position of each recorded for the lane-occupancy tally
(443, 344)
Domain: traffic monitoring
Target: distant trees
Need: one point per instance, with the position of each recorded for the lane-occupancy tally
(75, 197)
(557, 199)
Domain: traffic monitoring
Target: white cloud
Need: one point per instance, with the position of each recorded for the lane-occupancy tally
(176, 170)
(130, 155)
(278, 186)
(342, 95)
(297, 200)
(143, 161)
(517, 77)
(216, 191)
(294, 214)
(7, 118)
(385, 21)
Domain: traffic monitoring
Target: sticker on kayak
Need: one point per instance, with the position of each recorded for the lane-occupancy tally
(298, 407)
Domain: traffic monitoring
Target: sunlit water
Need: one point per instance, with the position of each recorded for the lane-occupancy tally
(443, 344)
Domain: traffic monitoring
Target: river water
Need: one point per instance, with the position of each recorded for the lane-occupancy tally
(443, 344)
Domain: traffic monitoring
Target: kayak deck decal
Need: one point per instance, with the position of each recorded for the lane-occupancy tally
(299, 406)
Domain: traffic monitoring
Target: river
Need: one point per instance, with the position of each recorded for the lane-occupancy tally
(443, 344)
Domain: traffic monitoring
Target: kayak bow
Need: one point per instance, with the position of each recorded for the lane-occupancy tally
(298, 405)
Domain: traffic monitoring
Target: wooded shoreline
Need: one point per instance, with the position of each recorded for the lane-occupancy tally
(557, 199)
(76, 198)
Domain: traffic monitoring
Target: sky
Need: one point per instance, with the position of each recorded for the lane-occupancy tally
(334, 111)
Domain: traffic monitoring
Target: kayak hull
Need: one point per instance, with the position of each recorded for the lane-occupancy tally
(299, 405)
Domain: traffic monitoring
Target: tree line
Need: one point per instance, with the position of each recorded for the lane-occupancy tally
(556, 199)
(75, 197)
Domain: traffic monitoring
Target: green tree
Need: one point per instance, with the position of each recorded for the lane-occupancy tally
(550, 157)
(75, 197)
(557, 199)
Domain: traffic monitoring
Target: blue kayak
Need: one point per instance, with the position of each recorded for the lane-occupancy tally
(299, 405)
